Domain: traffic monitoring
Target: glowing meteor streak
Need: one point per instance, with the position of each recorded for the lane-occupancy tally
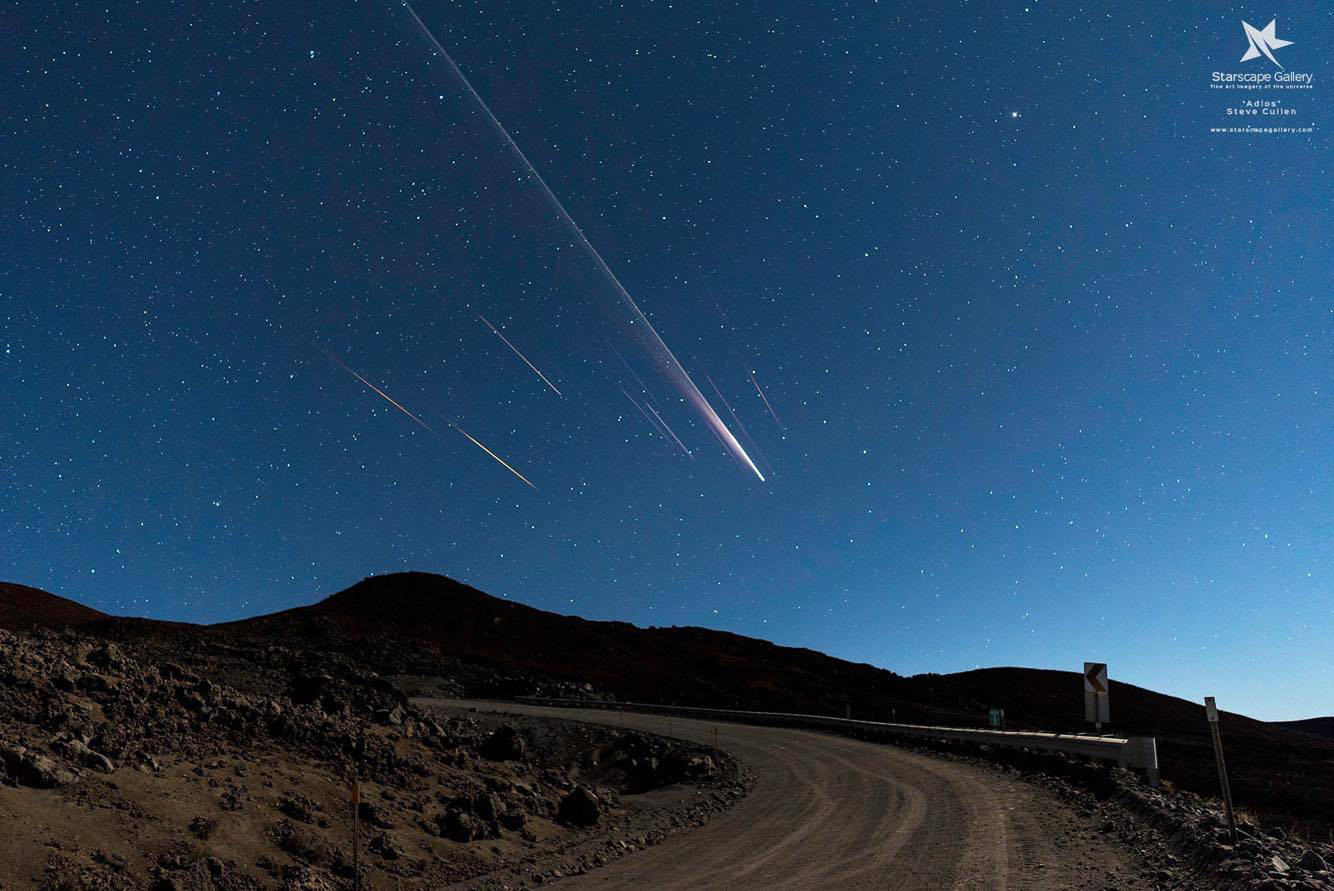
(652, 423)
(740, 426)
(674, 368)
(503, 462)
(674, 437)
(520, 355)
(730, 410)
(766, 402)
(388, 398)
(640, 408)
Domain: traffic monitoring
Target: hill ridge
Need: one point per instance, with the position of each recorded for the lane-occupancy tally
(424, 624)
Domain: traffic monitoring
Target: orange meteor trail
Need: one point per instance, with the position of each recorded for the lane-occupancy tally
(503, 462)
(397, 405)
(521, 356)
(388, 398)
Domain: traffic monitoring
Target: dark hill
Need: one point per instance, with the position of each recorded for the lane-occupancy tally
(1314, 726)
(677, 665)
(24, 607)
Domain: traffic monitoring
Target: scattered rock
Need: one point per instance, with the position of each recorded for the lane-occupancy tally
(298, 807)
(234, 798)
(383, 845)
(372, 814)
(202, 828)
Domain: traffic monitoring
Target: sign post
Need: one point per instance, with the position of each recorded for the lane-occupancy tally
(996, 718)
(1096, 709)
(1211, 712)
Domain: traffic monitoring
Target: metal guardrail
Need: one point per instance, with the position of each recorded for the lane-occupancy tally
(1137, 752)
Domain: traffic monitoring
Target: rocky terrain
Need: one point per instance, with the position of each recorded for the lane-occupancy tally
(144, 764)
(1182, 837)
(136, 753)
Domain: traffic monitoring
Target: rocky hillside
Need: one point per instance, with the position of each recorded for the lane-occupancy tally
(169, 763)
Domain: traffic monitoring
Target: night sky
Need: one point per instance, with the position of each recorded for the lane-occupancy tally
(1049, 364)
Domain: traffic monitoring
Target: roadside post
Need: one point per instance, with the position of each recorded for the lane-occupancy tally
(356, 832)
(1096, 709)
(1211, 712)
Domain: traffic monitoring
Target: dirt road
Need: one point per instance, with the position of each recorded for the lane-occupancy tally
(834, 813)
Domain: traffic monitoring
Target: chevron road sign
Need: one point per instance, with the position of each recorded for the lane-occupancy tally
(1096, 710)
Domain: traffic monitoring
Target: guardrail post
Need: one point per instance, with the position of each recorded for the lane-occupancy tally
(1144, 755)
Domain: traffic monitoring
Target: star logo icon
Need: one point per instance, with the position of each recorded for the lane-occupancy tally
(1263, 42)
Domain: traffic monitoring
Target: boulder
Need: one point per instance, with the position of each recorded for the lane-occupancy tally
(487, 806)
(460, 827)
(1312, 862)
(383, 845)
(77, 750)
(29, 768)
(309, 687)
(504, 744)
(580, 807)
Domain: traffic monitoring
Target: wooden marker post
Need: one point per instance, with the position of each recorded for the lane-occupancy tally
(1211, 712)
(356, 833)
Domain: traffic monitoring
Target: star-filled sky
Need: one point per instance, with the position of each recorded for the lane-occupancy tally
(1036, 365)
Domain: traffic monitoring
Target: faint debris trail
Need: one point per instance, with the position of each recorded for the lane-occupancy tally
(535, 369)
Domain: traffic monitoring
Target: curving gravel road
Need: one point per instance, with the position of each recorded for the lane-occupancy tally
(832, 813)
